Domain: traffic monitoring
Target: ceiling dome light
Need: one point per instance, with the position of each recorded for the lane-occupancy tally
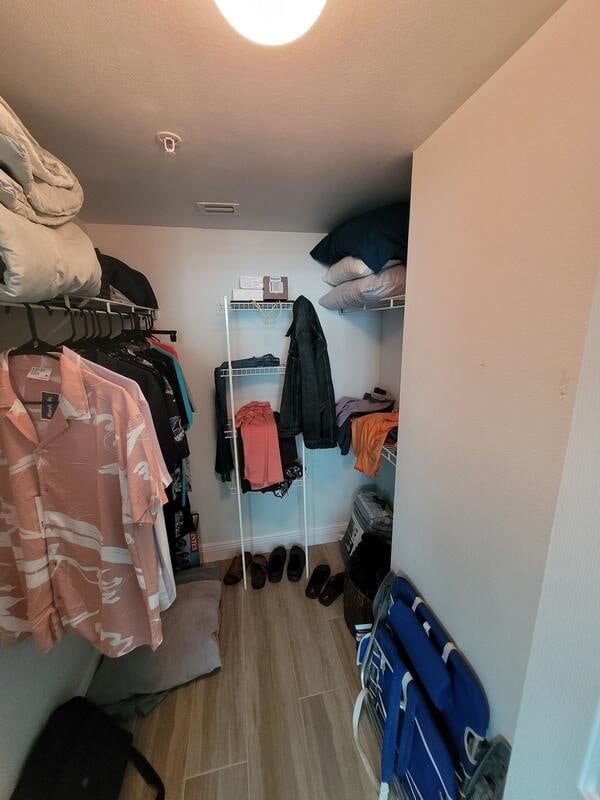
(271, 22)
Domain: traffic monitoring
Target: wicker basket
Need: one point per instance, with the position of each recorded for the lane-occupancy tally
(358, 607)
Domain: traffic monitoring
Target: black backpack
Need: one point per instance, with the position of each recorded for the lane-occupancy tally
(81, 754)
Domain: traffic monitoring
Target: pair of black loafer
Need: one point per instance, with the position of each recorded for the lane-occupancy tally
(295, 564)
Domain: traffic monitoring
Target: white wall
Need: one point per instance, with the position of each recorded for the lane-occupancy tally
(191, 270)
(33, 684)
(561, 696)
(504, 251)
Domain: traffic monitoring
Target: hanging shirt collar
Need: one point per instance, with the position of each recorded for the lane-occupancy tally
(73, 402)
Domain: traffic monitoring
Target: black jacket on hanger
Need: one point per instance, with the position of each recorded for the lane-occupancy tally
(308, 399)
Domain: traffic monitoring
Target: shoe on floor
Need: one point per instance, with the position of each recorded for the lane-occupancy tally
(317, 581)
(277, 564)
(258, 571)
(332, 589)
(235, 573)
(296, 564)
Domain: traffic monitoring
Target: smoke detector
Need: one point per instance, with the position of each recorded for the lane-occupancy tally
(170, 141)
(217, 208)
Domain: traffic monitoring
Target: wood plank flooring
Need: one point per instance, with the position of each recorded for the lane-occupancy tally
(276, 722)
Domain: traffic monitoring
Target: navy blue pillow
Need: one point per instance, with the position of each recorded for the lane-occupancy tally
(375, 237)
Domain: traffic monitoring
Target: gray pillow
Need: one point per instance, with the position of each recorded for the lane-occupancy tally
(362, 291)
(190, 648)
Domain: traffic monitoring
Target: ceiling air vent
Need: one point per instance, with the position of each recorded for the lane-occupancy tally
(218, 208)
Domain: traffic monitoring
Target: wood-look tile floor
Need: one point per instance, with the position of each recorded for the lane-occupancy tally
(276, 722)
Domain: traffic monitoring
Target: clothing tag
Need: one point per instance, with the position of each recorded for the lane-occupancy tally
(49, 404)
(275, 285)
(40, 373)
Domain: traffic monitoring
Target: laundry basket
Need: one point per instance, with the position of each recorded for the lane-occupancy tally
(358, 607)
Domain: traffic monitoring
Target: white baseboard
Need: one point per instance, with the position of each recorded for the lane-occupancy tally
(221, 551)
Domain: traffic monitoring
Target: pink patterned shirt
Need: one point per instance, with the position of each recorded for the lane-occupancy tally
(79, 491)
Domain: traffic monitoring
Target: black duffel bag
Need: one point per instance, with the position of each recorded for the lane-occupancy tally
(81, 754)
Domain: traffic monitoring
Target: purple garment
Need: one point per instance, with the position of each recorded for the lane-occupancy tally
(346, 406)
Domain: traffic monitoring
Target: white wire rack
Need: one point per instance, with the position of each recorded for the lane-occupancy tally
(297, 484)
(231, 372)
(241, 372)
(389, 453)
(381, 305)
(257, 305)
(74, 303)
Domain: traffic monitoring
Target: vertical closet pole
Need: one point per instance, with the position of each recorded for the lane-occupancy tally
(238, 483)
(304, 482)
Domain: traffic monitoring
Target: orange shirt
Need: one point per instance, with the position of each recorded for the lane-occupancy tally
(368, 437)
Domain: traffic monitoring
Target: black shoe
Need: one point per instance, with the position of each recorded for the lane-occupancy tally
(296, 564)
(332, 589)
(317, 581)
(276, 564)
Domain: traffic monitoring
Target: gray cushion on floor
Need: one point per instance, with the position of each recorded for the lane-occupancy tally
(190, 648)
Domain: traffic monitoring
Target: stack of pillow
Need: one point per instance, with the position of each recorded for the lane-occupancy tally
(366, 258)
(43, 254)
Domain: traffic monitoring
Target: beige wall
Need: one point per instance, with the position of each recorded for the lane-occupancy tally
(561, 695)
(504, 250)
(191, 270)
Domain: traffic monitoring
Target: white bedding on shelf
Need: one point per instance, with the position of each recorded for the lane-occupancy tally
(370, 289)
(39, 263)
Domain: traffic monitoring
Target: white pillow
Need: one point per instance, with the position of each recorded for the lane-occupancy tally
(350, 268)
(354, 294)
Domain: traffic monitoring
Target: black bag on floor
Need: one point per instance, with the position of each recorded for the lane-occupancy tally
(81, 754)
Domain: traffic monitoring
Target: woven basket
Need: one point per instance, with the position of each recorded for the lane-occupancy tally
(358, 607)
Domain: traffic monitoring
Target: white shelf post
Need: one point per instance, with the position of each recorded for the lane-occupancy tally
(236, 462)
(304, 507)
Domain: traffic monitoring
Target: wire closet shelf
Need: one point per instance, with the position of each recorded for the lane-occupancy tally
(230, 372)
(241, 372)
(388, 304)
(75, 303)
(257, 305)
(389, 453)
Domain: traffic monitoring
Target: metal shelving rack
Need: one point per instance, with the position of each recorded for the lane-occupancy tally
(258, 305)
(231, 372)
(381, 305)
(240, 372)
(75, 303)
(389, 453)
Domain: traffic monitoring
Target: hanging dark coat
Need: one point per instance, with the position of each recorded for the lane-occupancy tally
(308, 399)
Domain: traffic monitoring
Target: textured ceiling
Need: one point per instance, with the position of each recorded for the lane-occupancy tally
(300, 135)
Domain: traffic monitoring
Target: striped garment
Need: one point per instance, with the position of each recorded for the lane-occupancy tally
(79, 492)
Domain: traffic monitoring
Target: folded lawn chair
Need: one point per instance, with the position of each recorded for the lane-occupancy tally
(413, 752)
(431, 735)
(465, 713)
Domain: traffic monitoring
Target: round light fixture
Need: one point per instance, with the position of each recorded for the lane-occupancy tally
(271, 22)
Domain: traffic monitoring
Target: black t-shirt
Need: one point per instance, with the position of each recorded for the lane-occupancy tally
(153, 391)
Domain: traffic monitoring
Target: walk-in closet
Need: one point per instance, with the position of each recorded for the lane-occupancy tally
(299, 391)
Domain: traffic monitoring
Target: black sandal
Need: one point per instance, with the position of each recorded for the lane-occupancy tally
(296, 564)
(258, 571)
(276, 564)
(317, 580)
(333, 589)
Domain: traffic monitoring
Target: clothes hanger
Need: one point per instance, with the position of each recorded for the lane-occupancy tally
(35, 345)
(71, 341)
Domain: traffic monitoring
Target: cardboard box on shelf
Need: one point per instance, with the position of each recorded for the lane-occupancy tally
(246, 295)
(251, 282)
(275, 287)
